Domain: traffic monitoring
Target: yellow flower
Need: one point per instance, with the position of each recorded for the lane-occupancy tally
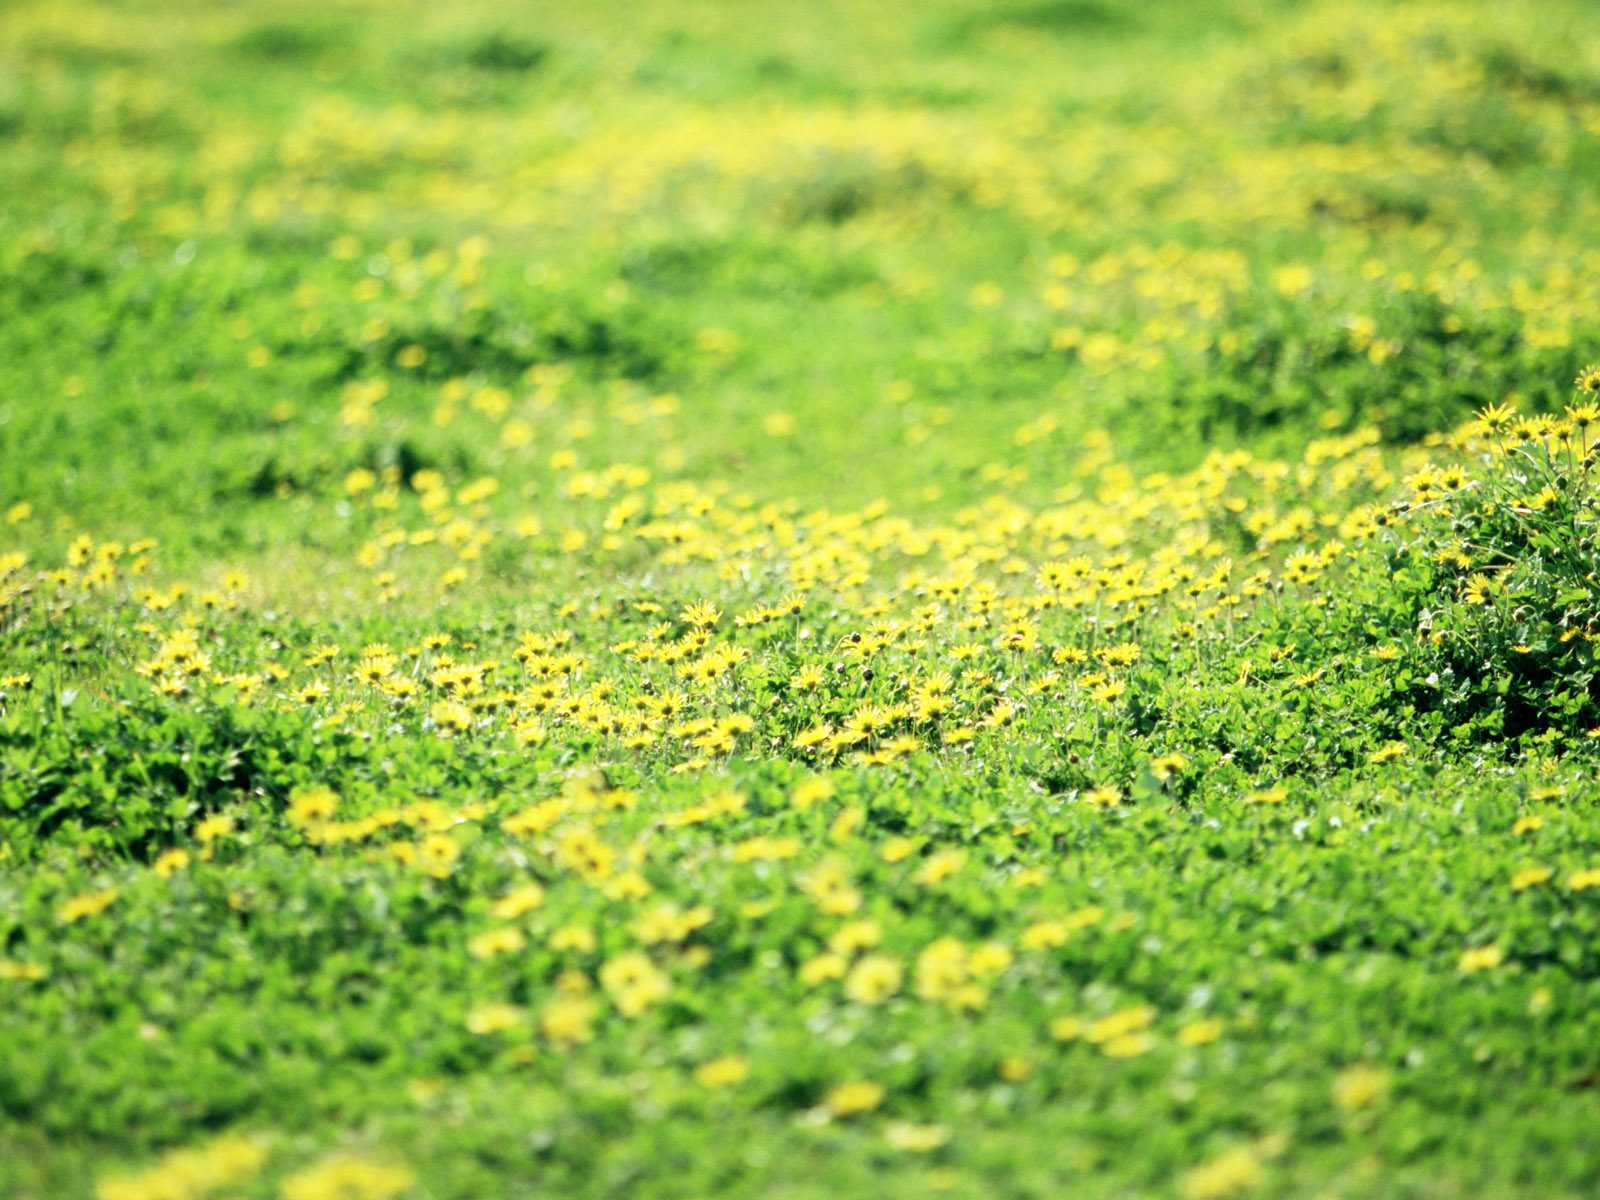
(1015, 1070)
(347, 1177)
(1120, 1024)
(170, 863)
(942, 969)
(88, 904)
(722, 1072)
(312, 806)
(1387, 753)
(494, 1018)
(1045, 935)
(568, 1020)
(874, 979)
(1291, 279)
(940, 867)
(579, 938)
(582, 851)
(1128, 1045)
(212, 828)
(450, 717)
(437, 855)
(845, 825)
(634, 983)
(829, 887)
(1360, 1086)
(701, 616)
(915, 1139)
(190, 1171)
(855, 936)
(822, 969)
(1480, 958)
(359, 480)
(1067, 1029)
(989, 959)
(811, 791)
(669, 923)
(494, 942)
(517, 902)
(1105, 796)
(1530, 877)
(1231, 1173)
(533, 820)
(1198, 1033)
(848, 1099)
(898, 849)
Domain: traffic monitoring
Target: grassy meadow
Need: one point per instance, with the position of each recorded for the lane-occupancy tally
(695, 599)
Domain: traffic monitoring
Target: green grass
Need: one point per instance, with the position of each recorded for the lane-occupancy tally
(693, 600)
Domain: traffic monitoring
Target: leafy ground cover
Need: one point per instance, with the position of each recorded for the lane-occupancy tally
(675, 600)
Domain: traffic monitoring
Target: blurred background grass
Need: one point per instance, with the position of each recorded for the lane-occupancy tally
(860, 244)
